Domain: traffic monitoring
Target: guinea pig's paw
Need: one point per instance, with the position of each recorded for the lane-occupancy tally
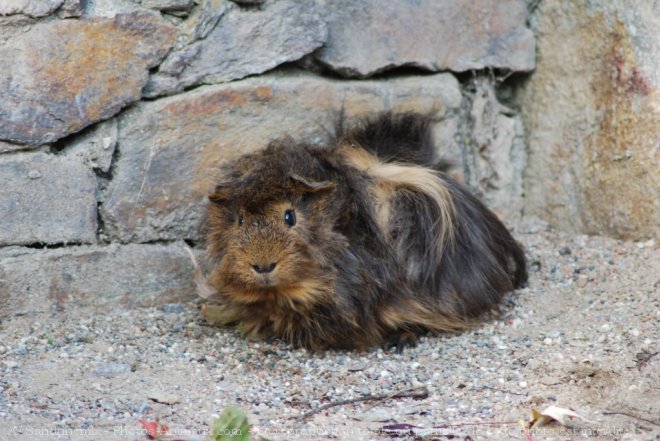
(400, 340)
(272, 340)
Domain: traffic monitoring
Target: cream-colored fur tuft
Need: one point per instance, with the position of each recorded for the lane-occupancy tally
(390, 176)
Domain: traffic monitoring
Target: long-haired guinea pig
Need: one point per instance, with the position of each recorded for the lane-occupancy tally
(360, 243)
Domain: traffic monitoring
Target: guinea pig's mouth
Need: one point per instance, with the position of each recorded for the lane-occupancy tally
(266, 281)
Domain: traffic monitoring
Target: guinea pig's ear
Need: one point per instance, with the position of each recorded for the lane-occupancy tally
(305, 185)
(220, 195)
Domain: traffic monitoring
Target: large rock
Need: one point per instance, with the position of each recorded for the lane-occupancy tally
(108, 277)
(170, 148)
(66, 75)
(46, 199)
(593, 115)
(370, 36)
(31, 8)
(244, 42)
(494, 150)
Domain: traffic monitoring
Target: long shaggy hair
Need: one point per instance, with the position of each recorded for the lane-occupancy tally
(360, 243)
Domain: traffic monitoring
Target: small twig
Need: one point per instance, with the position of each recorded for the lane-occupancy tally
(403, 429)
(503, 391)
(632, 416)
(418, 393)
(476, 423)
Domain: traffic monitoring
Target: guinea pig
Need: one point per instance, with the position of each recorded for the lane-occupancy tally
(360, 243)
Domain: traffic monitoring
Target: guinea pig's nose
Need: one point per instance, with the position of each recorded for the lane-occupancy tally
(262, 269)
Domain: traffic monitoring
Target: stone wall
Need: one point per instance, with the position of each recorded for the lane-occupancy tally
(116, 113)
(592, 114)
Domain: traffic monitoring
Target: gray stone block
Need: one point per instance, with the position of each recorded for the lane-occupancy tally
(494, 155)
(46, 199)
(593, 116)
(244, 42)
(170, 149)
(65, 75)
(107, 277)
(31, 8)
(371, 36)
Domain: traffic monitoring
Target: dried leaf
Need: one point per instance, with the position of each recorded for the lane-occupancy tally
(153, 428)
(561, 415)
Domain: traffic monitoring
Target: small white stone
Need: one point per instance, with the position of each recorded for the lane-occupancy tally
(107, 142)
(34, 174)
(547, 341)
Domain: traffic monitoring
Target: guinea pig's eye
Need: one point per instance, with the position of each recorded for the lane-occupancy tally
(290, 218)
(240, 219)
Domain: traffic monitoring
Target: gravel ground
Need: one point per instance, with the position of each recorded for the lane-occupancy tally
(584, 335)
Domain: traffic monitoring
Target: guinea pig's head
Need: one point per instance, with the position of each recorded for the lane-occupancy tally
(266, 227)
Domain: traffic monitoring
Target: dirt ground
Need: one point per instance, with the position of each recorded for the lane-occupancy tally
(584, 335)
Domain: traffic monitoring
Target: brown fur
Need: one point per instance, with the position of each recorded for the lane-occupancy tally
(384, 246)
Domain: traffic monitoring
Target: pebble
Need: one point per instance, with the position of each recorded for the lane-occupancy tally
(112, 370)
(565, 251)
(173, 308)
(357, 367)
(553, 334)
